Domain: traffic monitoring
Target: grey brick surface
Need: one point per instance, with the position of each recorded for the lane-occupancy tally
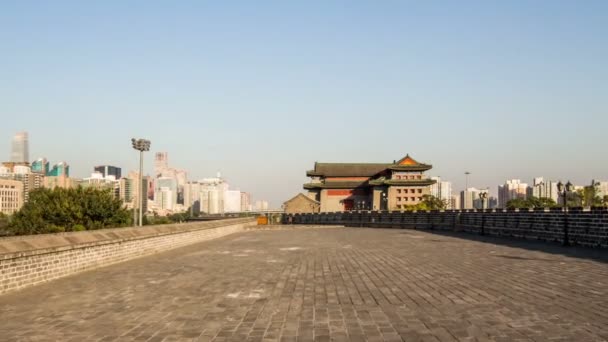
(338, 284)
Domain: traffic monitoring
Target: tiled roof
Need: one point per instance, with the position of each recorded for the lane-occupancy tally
(347, 169)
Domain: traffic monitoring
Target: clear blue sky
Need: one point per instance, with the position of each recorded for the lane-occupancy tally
(263, 89)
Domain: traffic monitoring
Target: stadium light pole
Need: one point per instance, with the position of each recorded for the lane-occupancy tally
(141, 145)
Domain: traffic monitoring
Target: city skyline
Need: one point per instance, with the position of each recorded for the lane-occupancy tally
(262, 91)
(160, 163)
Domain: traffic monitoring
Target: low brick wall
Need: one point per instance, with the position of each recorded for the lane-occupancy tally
(30, 260)
(584, 227)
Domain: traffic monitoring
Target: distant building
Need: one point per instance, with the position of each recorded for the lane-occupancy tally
(9, 167)
(166, 198)
(64, 182)
(492, 202)
(137, 189)
(442, 190)
(454, 202)
(386, 186)
(601, 188)
(261, 205)
(543, 189)
(20, 152)
(469, 199)
(98, 181)
(11, 196)
(301, 203)
(212, 195)
(512, 189)
(24, 175)
(108, 170)
(246, 201)
(41, 166)
(232, 201)
(161, 163)
(126, 193)
(169, 183)
(60, 169)
(192, 192)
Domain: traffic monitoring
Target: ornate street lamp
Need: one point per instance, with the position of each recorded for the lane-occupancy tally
(384, 201)
(482, 197)
(563, 190)
(141, 145)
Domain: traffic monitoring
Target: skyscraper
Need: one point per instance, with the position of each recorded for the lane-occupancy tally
(60, 169)
(41, 166)
(512, 189)
(442, 190)
(108, 170)
(161, 163)
(469, 198)
(20, 152)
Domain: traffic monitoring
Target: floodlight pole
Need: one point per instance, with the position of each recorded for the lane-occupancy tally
(141, 145)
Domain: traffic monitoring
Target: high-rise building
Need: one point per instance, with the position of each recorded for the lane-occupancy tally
(455, 202)
(41, 166)
(246, 201)
(442, 190)
(166, 200)
(108, 170)
(20, 152)
(166, 182)
(261, 205)
(24, 175)
(60, 169)
(125, 192)
(192, 192)
(232, 201)
(470, 199)
(11, 196)
(212, 195)
(137, 190)
(512, 189)
(543, 189)
(161, 163)
(98, 181)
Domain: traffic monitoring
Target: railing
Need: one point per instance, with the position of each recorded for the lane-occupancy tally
(588, 227)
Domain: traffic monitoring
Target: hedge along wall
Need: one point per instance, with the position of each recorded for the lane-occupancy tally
(585, 227)
(30, 260)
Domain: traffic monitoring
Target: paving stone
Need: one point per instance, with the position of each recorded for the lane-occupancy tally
(323, 285)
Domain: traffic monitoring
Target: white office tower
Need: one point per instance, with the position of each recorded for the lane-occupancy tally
(232, 202)
(512, 189)
(470, 199)
(20, 151)
(442, 190)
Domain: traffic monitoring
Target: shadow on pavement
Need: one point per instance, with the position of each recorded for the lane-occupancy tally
(596, 254)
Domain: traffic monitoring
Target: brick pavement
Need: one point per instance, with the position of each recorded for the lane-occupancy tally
(342, 284)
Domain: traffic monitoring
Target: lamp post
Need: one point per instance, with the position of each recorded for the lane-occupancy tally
(563, 190)
(482, 197)
(384, 201)
(141, 145)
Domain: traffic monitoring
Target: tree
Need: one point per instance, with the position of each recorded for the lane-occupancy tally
(531, 202)
(59, 210)
(589, 197)
(428, 202)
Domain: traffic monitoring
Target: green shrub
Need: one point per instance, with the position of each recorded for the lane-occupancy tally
(78, 228)
(50, 211)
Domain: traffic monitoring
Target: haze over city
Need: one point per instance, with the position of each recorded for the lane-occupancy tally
(261, 91)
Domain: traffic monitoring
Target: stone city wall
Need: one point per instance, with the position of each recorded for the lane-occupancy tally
(33, 259)
(587, 227)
